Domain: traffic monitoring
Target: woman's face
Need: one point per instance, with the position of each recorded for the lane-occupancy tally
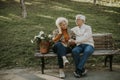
(63, 25)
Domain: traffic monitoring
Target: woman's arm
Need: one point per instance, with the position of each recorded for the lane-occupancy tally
(56, 36)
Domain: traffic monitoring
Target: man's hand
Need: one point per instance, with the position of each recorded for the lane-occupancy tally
(71, 42)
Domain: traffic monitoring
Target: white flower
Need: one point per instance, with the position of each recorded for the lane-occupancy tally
(42, 38)
(41, 32)
(32, 41)
(49, 36)
(38, 36)
(35, 37)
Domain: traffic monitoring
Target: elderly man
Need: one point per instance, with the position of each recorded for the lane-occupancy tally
(84, 44)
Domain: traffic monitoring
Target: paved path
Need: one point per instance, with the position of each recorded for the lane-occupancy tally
(30, 74)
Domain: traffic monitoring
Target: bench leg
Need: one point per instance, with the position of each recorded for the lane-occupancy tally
(111, 59)
(42, 65)
(106, 61)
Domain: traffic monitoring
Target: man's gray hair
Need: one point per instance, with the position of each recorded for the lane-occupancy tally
(80, 16)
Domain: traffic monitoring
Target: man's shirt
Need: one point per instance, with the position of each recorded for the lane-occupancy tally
(83, 35)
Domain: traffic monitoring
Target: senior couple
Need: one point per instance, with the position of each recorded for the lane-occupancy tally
(63, 38)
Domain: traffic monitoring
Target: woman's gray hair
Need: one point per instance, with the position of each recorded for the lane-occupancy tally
(59, 20)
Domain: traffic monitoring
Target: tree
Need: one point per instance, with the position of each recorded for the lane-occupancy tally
(23, 7)
(94, 1)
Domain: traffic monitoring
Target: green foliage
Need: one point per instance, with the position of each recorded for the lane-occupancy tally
(16, 32)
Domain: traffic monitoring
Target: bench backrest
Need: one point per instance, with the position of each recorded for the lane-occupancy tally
(103, 41)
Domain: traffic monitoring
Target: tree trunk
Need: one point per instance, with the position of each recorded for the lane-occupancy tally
(94, 2)
(23, 7)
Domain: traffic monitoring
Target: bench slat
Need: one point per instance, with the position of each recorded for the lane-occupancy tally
(96, 53)
(103, 46)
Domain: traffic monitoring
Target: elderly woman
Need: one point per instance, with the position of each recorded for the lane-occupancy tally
(60, 47)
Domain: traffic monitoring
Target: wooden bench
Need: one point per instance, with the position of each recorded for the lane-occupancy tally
(104, 46)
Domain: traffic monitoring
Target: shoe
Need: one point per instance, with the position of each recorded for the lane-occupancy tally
(84, 72)
(79, 73)
(76, 74)
(61, 74)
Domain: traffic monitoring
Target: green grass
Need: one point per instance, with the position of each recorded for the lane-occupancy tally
(16, 32)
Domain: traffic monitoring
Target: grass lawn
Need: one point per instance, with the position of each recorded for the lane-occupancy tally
(16, 32)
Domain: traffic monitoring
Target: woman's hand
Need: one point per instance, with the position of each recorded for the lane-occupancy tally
(59, 30)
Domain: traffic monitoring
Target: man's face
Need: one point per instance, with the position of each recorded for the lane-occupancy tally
(79, 22)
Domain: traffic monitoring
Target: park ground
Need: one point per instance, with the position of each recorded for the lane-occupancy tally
(99, 73)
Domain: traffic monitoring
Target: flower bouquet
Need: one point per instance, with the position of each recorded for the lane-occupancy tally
(43, 41)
